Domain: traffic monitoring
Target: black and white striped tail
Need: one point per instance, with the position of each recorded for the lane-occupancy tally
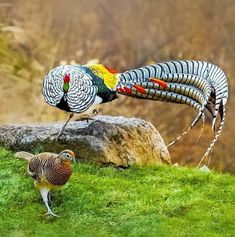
(217, 134)
(201, 85)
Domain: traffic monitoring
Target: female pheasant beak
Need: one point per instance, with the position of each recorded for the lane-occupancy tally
(73, 160)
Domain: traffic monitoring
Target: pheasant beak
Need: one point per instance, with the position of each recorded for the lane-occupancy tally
(73, 160)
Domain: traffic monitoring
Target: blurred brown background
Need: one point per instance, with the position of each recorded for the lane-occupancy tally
(37, 35)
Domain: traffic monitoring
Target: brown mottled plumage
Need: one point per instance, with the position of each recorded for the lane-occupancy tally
(49, 171)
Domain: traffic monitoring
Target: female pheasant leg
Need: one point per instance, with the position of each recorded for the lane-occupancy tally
(49, 196)
(62, 129)
(44, 194)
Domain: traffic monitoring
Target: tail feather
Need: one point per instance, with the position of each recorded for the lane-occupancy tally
(210, 148)
(24, 155)
(199, 84)
(202, 129)
(195, 121)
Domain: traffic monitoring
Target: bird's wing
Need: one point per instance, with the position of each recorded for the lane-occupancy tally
(38, 162)
(46, 155)
(34, 168)
(81, 94)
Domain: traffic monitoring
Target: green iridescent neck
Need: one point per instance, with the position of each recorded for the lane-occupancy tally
(66, 87)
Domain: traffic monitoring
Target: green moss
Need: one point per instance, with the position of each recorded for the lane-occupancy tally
(147, 201)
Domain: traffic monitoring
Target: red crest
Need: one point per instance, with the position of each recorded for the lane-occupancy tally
(66, 78)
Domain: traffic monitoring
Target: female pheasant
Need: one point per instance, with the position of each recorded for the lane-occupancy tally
(81, 89)
(49, 171)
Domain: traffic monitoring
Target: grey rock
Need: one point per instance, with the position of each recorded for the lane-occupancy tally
(106, 140)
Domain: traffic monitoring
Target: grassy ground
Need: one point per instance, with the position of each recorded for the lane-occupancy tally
(150, 201)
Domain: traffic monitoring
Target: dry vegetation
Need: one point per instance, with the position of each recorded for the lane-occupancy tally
(37, 35)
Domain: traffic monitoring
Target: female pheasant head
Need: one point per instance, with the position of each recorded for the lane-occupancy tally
(67, 155)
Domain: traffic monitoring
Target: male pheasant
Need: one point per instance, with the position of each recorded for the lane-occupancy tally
(49, 171)
(81, 88)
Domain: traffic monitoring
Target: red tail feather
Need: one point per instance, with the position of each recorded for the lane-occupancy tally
(159, 82)
(120, 89)
(140, 89)
(127, 90)
(111, 70)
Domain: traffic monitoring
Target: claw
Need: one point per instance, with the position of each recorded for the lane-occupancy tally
(51, 213)
(95, 112)
(44, 193)
(85, 119)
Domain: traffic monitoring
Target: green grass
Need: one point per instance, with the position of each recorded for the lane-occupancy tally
(148, 201)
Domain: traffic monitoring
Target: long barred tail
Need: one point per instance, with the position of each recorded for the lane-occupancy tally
(210, 148)
(200, 85)
(198, 117)
(195, 121)
(202, 129)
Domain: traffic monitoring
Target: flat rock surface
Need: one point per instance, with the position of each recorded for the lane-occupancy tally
(105, 140)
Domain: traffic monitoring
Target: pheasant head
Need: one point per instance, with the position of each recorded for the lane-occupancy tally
(67, 156)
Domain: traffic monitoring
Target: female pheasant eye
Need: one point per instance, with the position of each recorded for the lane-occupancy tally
(67, 155)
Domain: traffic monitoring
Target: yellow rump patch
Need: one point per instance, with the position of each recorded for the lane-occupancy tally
(43, 183)
(110, 79)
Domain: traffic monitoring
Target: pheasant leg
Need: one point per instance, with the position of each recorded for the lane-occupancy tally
(88, 117)
(85, 119)
(62, 129)
(49, 211)
(49, 196)
(44, 193)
